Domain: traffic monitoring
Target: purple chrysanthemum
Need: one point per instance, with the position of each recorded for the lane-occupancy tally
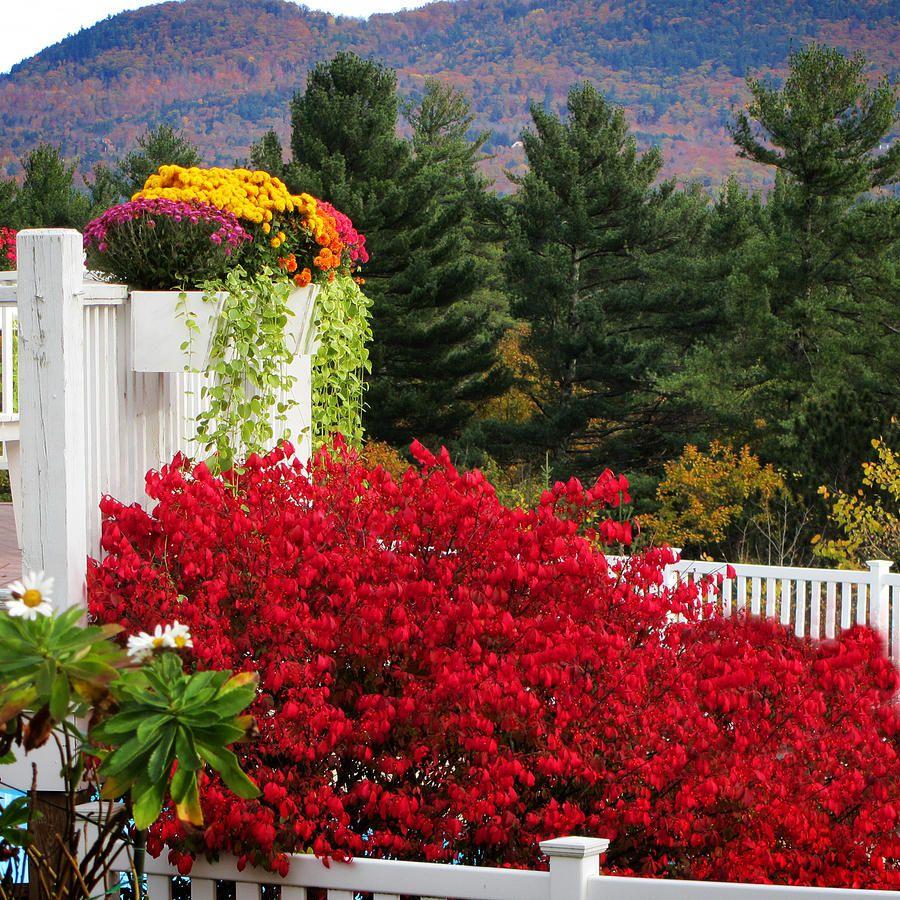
(228, 230)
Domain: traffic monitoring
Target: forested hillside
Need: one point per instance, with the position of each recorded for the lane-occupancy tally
(225, 70)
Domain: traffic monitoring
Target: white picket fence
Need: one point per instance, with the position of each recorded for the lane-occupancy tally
(574, 874)
(818, 603)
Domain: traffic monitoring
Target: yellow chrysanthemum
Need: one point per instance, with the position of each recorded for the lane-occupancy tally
(252, 196)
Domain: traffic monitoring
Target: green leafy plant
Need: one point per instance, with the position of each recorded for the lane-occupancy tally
(248, 394)
(13, 818)
(341, 363)
(130, 728)
(165, 714)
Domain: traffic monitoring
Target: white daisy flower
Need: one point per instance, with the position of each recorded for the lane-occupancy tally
(31, 596)
(178, 636)
(175, 636)
(142, 645)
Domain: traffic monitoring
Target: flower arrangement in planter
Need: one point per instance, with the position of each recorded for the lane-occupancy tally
(225, 266)
(189, 226)
(158, 243)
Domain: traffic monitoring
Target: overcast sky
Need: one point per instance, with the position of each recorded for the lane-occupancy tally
(31, 25)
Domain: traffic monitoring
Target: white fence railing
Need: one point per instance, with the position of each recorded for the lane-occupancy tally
(817, 603)
(574, 874)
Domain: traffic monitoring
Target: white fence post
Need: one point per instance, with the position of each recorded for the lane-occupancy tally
(51, 404)
(572, 862)
(879, 604)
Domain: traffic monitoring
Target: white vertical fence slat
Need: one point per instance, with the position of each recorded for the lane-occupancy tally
(879, 597)
(8, 323)
(159, 887)
(846, 604)
(786, 584)
(245, 890)
(861, 604)
(742, 593)
(756, 599)
(291, 892)
(205, 889)
(299, 418)
(770, 597)
(800, 609)
(831, 610)
(815, 610)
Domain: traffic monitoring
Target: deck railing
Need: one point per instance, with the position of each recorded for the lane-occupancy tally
(818, 603)
(574, 874)
(76, 419)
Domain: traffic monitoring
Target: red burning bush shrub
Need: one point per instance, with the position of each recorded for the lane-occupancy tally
(447, 679)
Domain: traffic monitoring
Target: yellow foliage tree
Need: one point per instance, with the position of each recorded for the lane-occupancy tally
(378, 453)
(721, 502)
(869, 520)
(517, 403)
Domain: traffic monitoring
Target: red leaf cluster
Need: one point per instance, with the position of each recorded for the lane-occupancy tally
(445, 678)
(7, 248)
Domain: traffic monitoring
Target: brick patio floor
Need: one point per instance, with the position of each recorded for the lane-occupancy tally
(10, 556)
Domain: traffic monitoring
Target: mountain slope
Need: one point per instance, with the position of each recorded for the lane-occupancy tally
(225, 70)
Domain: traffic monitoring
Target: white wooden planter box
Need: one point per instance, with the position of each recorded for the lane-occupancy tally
(160, 339)
(300, 331)
(162, 342)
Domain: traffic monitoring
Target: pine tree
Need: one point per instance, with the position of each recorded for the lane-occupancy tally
(344, 139)
(434, 334)
(49, 198)
(267, 154)
(731, 285)
(826, 288)
(103, 189)
(10, 205)
(156, 147)
(596, 261)
(441, 124)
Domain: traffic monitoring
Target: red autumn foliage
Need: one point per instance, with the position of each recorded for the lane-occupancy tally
(7, 248)
(445, 678)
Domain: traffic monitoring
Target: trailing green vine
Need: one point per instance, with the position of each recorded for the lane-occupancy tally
(248, 392)
(341, 363)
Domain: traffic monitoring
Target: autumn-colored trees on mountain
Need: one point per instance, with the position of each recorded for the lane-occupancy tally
(223, 70)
